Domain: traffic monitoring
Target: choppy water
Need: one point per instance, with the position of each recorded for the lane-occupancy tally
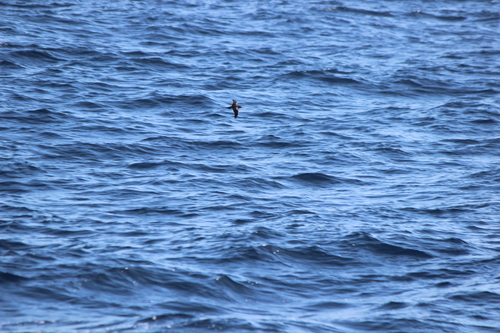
(358, 191)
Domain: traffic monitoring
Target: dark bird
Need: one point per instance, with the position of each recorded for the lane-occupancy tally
(235, 108)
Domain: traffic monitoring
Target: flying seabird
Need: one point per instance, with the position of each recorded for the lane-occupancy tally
(235, 108)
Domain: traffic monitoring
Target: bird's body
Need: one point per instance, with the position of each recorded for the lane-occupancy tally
(235, 108)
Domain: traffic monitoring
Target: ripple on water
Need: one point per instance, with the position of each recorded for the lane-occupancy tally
(355, 192)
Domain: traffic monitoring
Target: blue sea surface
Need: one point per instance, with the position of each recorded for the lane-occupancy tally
(357, 191)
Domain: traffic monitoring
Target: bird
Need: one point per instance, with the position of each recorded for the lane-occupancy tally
(235, 108)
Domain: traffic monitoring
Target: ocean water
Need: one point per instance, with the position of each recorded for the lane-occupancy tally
(358, 190)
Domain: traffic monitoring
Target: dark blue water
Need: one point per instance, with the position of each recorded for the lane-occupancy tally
(358, 190)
